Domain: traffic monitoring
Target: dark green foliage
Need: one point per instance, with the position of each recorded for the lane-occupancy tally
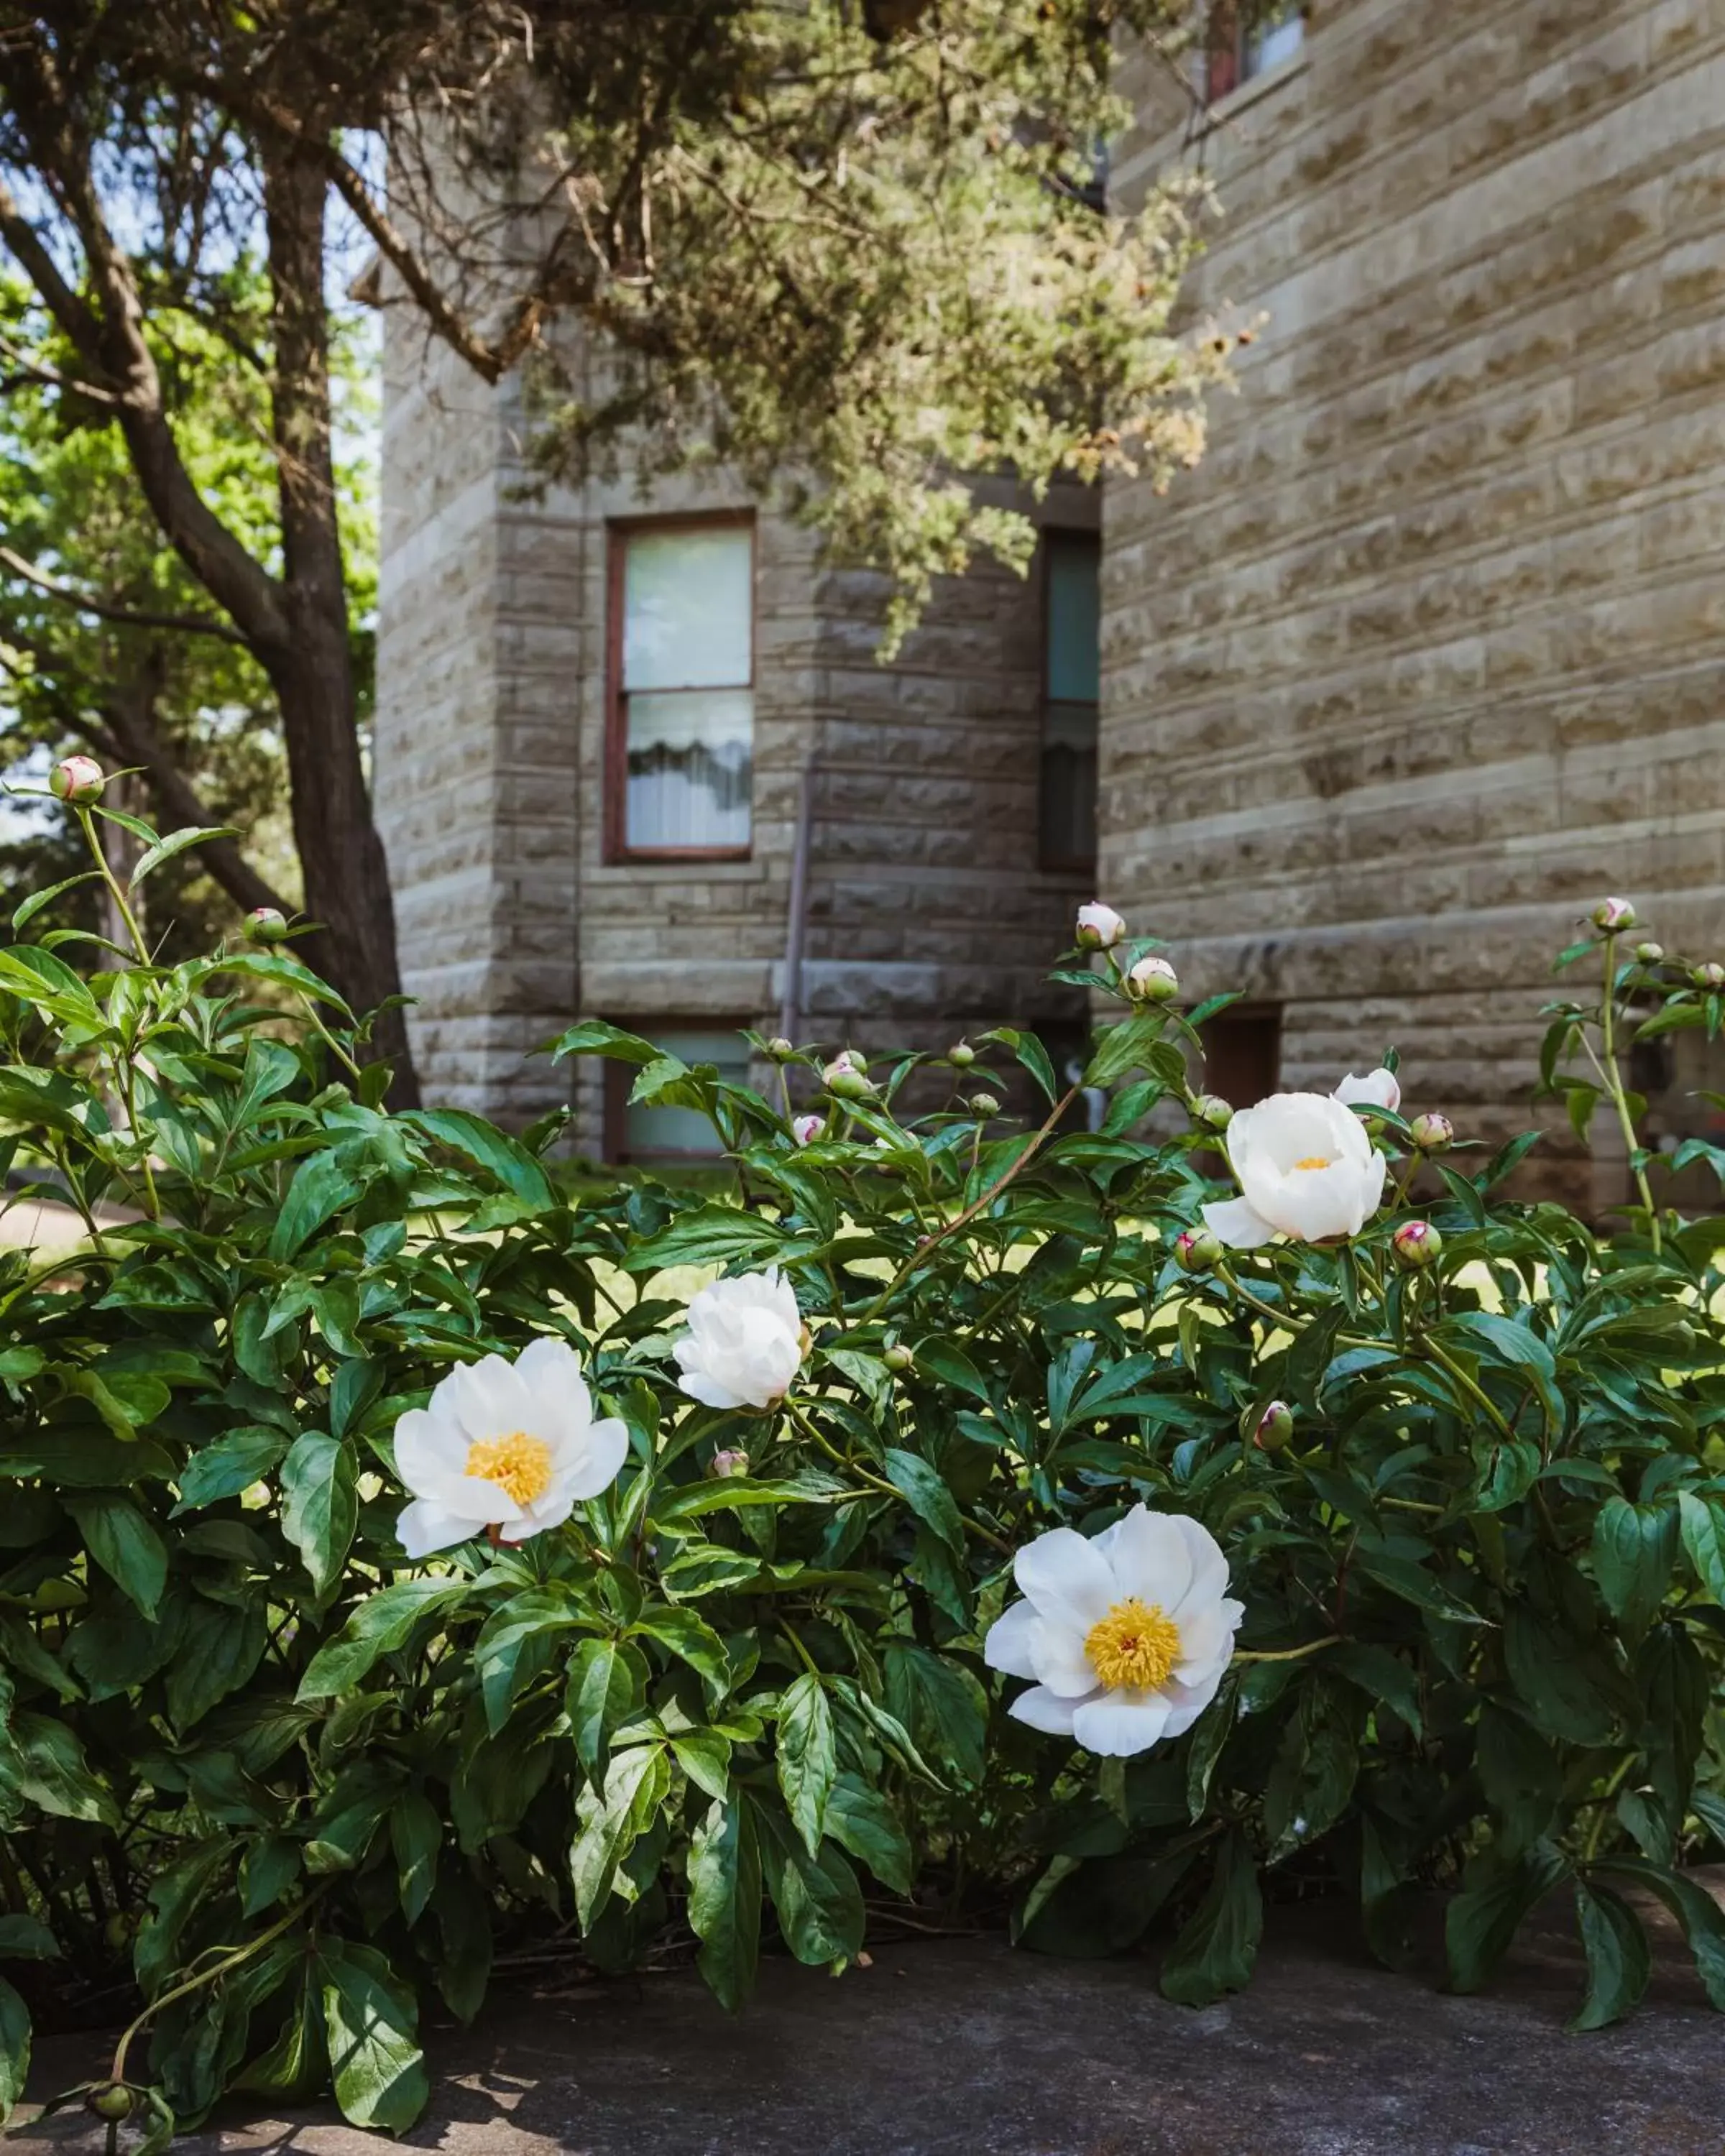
(1482, 1578)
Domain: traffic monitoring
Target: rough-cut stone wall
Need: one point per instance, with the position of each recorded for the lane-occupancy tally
(1431, 651)
(928, 913)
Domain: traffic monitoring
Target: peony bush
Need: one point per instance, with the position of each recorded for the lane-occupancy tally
(405, 1564)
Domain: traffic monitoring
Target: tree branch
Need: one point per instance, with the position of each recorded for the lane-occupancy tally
(190, 625)
(110, 343)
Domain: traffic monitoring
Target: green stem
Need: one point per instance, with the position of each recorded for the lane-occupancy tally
(1614, 1083)
(1469, 1385)
(117, 2071)
(1596, 1832)
(141, 949)
(1292, 1654)
(963, 1218)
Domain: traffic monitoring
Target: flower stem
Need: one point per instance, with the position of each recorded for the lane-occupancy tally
(963, 1218)
(117, 2071)
(1291, 1654)
(1614, 1085)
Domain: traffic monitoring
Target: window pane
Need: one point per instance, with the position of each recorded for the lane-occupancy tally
(690, 768)
(1276, 37)
(1074, 617)
(688, 609)
(663, 1130)
(1068, 784)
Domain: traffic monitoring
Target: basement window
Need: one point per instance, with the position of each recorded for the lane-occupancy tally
(637, 1131)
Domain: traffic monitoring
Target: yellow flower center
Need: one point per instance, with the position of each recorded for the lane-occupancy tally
(1316, 1160)
(517, 1463)
(1135, 1645)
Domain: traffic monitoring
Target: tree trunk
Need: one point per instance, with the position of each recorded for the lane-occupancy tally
(345, 874)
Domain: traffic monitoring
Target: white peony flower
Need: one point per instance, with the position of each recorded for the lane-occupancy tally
(1126, 1634)
(1381, 1089)
(512, 1446)
(745, 1343)
(1306, 1166)
(1100, 927)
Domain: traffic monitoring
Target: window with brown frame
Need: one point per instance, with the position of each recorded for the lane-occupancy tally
(678, 779)
(636, 1132)
(1248, 38)
(1071, 685)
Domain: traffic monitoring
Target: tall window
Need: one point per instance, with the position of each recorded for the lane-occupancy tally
(1071, 684)
(639, 1131)
(1247, 38)
(680, 771)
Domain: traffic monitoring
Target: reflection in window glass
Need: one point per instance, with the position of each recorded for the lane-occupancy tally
(652, 1133)
(1248, 38)
(1071, 687)
(687, 687)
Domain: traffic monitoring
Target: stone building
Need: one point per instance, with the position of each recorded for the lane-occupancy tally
(1429, 653)
(1425, 656)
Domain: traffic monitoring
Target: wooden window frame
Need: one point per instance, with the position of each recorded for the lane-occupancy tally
(1050, 863)
(1237, 54)
(619, 531)
(620, 1078)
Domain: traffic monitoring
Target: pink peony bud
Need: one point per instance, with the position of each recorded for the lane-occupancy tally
(729, 1466)
(1274, 1427)
(264, 924)
(1416, 1243)
(1612, 916)
(1152, 980)
(1432, 1133)
(1197, 1250)
(79, 779)
(806, 1129)
(1100, 927)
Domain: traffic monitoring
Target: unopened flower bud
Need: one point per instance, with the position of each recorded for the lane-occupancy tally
(266, 924)
(729, 1466)
(1152, 980)
(1100, 927)
(1651, 954)
(1274, 1427)
(113, 2101)
(78, 778)
(1709, 976)
(984, 1104)
(780, 1050)
(1212, 1111)
(961, 1055)
(1432, 1133)
(846, 1081)
(1613, 915)
(806, 1129)
(1416, 1243)
(899, 1358)
(1197, 1250)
